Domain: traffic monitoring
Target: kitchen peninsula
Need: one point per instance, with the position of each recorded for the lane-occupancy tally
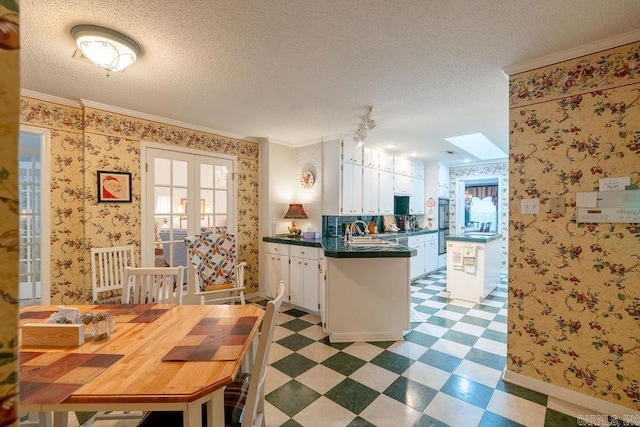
(366, 292)
(473, 265)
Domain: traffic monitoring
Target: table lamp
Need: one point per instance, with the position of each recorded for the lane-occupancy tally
(296, 211)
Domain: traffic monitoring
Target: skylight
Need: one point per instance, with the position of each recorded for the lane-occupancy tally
(477, 145)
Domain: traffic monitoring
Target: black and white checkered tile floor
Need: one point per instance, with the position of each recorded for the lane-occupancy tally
(447, 371)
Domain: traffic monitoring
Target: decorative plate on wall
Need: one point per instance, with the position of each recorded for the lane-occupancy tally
(307, 179)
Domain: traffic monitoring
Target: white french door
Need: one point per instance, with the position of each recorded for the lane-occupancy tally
(34, 208)
(185, 192)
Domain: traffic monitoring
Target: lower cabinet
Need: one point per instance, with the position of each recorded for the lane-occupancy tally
(277, 262)
(301, 268)
(426, 259)
(304, 274)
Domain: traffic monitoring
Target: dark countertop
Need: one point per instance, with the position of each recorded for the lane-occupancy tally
(334, 247)
(472, 239)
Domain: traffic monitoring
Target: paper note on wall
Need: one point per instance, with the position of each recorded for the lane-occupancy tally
(614, 184)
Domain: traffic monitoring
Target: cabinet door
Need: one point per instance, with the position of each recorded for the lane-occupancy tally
(370, 191)
(386, 162)
(402, 184)
(351, 152)
(351, 189)
(417, 197)
(385, 195)
(297, 276)
(443, 175)
(418, 169)
(277, 269)
(311, 284)
(371, 158)
(402, 166)
(431, 255)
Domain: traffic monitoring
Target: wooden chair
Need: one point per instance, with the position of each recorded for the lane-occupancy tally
(244, 398)
(219, 277)
(157, 284)
(107, 271)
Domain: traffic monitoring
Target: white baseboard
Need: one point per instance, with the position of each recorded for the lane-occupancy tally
(571, 402)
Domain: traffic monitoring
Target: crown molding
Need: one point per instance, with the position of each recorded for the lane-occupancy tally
(49, 98)
(153, 118)
(576, 52)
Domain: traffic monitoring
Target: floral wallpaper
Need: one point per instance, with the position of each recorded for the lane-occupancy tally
(574, 299)
(9, 235)
(501, 170)
(84, 141)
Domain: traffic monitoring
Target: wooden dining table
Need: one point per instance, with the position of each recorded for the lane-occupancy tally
(158, 357)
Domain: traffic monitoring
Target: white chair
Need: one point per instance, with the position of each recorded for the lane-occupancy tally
(153, 285)
(244, 398)
(219, 277)
(107, 271)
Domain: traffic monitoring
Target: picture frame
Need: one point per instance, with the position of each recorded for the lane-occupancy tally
(114, 187)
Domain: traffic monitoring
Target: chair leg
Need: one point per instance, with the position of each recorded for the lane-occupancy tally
(242, 297)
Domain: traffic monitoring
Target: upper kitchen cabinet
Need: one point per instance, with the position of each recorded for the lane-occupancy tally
(443, 181)
(402, 166)
(351, 153)
(385, 194)
(386, 162)
(418, 169)
(437, 180)
(370, 200)
(371, 158)
(342, 181)
(417, 197)
(402, 184)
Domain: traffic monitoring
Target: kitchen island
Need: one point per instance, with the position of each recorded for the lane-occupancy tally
(366, 292)
(473, 265)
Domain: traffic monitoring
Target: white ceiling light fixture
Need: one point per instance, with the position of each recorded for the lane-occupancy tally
(106, 48)
(366, 124)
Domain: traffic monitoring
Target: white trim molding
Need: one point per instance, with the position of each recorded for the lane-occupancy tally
(571, 402)
(576, 52)
(49, 98)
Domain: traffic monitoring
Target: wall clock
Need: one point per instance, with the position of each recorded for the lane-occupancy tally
(431, 202)
(307, 179)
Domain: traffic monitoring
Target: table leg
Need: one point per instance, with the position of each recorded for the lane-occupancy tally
(61, 419)
(215, 410)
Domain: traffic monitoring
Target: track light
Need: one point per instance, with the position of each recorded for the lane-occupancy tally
(366, 124)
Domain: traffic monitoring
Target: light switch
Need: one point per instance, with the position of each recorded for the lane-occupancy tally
(530, 206)
(556, 205)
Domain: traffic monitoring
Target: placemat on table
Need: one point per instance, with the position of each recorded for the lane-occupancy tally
(52, 378)
(37, 314)
(133, 313)
(213, 338)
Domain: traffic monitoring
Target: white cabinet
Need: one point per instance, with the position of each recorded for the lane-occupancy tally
(443, 181)
(351, 189)
(431, 252)
(417, 196)
(277, 262)
(370, 193)
(386, 162)
(402, 166)
(305, 274)
(417, 169)
(371, 158)
(416, 265)
(351, 152)
(402, 184)
(385, 195)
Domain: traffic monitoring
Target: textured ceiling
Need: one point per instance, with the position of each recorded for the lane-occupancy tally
(297, 70)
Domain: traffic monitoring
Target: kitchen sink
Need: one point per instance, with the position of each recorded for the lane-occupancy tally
(369, 241)
(479, 234)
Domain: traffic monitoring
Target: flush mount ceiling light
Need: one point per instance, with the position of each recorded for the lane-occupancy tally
(106, 48)
(366, 124)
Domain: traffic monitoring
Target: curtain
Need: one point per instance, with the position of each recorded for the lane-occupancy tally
(483, 191)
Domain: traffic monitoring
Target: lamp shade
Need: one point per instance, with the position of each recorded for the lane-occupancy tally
(296, 211)
(106, 48)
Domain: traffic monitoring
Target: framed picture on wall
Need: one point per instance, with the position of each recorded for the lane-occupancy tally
(114, 187)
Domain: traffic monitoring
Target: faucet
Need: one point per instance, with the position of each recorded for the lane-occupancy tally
(354, 228)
